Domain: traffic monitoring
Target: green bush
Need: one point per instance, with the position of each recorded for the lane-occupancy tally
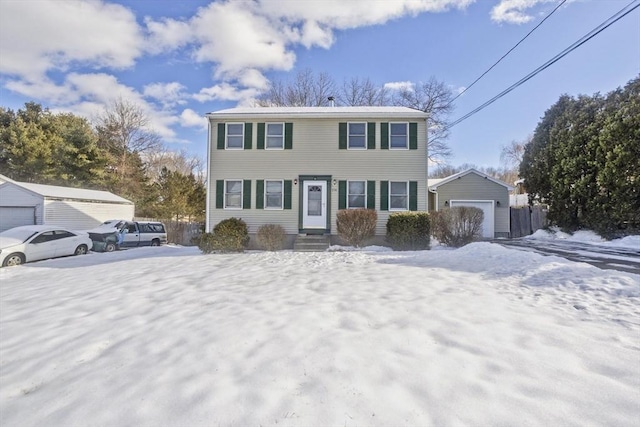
(355, 226)
(229, 235)
(271, 237)
(409, 230)
(457, 226)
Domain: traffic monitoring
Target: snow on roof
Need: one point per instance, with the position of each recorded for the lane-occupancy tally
(57, 192)
(441, 181)
(319, 112)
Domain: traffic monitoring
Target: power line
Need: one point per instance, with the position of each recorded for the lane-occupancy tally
(510, 50)
(603, 26)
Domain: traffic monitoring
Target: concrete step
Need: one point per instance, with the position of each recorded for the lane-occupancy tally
(311, 243)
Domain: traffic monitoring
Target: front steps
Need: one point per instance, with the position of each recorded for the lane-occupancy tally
(311, 243)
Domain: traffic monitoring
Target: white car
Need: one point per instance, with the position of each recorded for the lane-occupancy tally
(35, 242)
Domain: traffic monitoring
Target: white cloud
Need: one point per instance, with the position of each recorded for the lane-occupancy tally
(38, 36)
(190, 118)
(515, 11)
(167, 94)
(226, 92)
(167, 34)
(399, 86)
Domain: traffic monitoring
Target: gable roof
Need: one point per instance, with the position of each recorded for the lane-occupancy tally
(56, 192)
(433, 184)
(318, 112)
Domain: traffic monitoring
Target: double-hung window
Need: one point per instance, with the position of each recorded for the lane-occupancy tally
(273, 194)
(398, 195)
(398, 136)
(235, 136)
(233, 194)
(357, 136)
(275, 136)
(356, 194)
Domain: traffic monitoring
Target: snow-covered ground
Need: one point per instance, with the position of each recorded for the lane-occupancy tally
(479, 336)
(585, 236)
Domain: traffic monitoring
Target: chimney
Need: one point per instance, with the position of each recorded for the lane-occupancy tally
(332, 99)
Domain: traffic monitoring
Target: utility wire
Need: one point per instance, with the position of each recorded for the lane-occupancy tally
(603, 26)
(510, 50)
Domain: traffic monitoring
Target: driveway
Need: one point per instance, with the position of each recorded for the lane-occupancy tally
(601, 256)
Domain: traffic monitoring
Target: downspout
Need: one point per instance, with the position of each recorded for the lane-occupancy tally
(206, 211)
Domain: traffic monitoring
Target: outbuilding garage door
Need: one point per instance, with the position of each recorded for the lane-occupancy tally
(487, 208)
(15, 216)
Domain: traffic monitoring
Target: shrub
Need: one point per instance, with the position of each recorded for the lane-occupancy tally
(271, 237)
(408, 230)
(229, 235)
(355, 226)
(457, 226)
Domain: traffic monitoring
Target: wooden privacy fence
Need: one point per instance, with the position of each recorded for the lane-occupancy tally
(526, 220)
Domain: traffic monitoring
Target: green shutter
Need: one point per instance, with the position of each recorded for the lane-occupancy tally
(371, 136)
(288, 136)
(246, 194)
(260, 194)
(342, 136)
(220, 136)
(413, 195)
(371, 194)
(260, 136)
(413, 136)
(384, 195)
(219, 193)
(384, 136)
(248, 135)
(287, 194)
(342, 194)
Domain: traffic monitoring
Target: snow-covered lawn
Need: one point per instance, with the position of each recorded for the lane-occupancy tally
(478, 336)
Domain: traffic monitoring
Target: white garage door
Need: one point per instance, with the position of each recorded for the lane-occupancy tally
(15, 216)
(487, 208)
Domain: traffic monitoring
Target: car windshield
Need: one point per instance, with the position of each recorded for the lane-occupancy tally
(18, 233)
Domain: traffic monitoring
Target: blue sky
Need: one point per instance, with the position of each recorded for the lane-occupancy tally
(181, 59)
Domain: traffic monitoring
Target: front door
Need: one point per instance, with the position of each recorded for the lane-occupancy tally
(314, 204)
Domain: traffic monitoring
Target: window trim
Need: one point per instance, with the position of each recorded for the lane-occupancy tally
(226, 136)
(266, 135)
(406, 145)
(224, 202)
(364, 194)
(407, 195)
(265, 207)
(366, 136)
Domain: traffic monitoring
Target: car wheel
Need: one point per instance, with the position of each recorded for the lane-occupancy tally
(13, 259)
(155, 242)
(81, 250)
(110, 247)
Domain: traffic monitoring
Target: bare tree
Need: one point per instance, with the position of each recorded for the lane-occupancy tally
(511, 154)
(435, 98)
(306, 90)
(356, 92)
(174, 161)
(124, 129)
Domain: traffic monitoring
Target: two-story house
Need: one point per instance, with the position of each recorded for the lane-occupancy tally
(297, 166)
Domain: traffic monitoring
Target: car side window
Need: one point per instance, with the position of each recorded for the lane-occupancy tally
(131, 228)
(47, 236)
(145, 228)
(61, 234)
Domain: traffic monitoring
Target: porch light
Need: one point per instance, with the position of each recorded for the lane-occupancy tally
(295, 181)
(446, 203)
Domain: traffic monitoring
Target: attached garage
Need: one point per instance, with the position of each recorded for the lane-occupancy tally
(476, 189)
(27, 204)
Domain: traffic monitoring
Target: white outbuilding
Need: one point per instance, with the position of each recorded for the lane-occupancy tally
(23, 203)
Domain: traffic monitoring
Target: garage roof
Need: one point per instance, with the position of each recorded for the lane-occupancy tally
(435, 183)
(69, 193)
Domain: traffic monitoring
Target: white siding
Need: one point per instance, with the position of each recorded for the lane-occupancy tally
(315, 152)
(79, 215)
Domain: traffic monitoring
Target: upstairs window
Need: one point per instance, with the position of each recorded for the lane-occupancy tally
(357, 136)
(399, 136)
(356, 194)
(275, 136)
(398, 196)
(235, 136)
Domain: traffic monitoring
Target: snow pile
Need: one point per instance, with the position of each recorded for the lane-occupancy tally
(585, 236)
(165, 336)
